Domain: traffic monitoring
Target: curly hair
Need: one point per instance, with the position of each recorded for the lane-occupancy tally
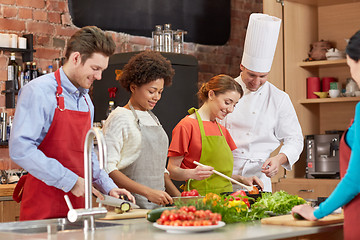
(146, 67)
(219, 84)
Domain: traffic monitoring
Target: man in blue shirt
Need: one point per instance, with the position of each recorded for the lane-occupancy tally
(53, 114)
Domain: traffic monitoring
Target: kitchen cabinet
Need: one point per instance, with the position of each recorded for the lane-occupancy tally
(307, 188)
(305, 22)
(9, 210)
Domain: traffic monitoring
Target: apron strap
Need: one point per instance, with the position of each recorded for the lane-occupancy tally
(201, 125)
(19, 189)
(137, 118)
(59, 99)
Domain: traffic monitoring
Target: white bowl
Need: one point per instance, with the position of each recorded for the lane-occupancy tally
(334, 93)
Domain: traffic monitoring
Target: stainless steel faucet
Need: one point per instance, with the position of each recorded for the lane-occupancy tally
(89, 213)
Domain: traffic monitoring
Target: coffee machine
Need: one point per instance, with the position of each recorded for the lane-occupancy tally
(322, 155)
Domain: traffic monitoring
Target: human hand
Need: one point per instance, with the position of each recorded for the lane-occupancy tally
(159, 197)
(254, 180)
(79, 189)
(116, 192)
(305, 211)
(272, 165)
(201, 172)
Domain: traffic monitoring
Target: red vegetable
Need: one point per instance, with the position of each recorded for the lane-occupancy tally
(237, 193)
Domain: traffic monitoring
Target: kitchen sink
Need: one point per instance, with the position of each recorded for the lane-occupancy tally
(48, 225)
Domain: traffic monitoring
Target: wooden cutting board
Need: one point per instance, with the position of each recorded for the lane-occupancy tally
(288, 220)
(134, 213)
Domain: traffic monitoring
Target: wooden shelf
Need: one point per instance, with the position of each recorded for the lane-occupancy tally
(322, 2)
(329, 100)
(338, 62)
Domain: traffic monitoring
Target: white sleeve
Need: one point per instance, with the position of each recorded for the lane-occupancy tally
(288, 130)
(123, 140)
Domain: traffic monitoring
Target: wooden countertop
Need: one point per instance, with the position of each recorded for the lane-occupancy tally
(7, 189)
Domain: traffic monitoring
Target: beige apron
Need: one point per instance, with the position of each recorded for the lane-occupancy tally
(148, 169)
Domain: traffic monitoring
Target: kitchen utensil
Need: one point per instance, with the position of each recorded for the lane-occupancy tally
(313, 85)
(133, 213)
(188, 229)
(325, 82)
(115, 202)
(289, 220)
(228, 178)
(334, 93)
(321, 94)
(334, 53)
(351, 87)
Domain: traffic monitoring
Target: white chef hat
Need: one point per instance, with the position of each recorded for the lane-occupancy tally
(260, 42)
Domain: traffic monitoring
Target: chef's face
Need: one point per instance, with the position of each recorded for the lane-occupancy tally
(253, 80)
(222, 104)
(89, 71)
(354, 69)
(146, 96)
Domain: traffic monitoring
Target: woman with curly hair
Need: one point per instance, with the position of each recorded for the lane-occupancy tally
(136, 142)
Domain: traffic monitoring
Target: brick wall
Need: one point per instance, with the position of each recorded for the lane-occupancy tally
(50, 22)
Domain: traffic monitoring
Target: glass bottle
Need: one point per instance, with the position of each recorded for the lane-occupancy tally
(13, 68)
(27, 72)
(34, 71)
(111, 108)
(168, 38)
(157, 38)
(20, 77)
(179, 41)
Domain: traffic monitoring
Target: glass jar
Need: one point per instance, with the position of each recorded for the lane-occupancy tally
(157, 38)
(168, 38)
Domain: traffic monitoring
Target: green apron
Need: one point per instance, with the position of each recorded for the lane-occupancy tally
(215, 152)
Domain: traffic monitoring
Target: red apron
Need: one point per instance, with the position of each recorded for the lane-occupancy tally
(352, 209)
(65, 143)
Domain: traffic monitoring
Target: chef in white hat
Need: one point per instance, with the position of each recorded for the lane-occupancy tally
(264, 117)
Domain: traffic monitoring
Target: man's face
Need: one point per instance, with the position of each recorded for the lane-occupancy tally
(89, 71)
(253, 80)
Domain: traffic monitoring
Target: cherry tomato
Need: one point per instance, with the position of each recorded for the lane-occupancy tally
(160, 221)
(173, 216)
(194, 193)
(192, 209)
(164, 217)
(197, 223)
(184, 208)
(190, 216)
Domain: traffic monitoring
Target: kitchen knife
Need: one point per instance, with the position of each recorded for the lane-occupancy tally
(115, 202)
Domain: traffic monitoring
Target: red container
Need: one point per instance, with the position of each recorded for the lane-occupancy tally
(326, 83)
(313, 85)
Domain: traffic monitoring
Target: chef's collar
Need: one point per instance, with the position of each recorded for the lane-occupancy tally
(245, 89)
(69, 87)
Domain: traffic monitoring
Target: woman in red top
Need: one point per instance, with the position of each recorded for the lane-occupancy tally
(199, 137)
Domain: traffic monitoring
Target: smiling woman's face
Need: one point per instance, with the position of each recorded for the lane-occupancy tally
(146, 96)
(222, 104)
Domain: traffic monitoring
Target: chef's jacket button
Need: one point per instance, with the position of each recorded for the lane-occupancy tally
(248, 134)
(242, 152)
(253, 112)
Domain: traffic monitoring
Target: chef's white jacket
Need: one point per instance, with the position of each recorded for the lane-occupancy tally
(260, 122)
